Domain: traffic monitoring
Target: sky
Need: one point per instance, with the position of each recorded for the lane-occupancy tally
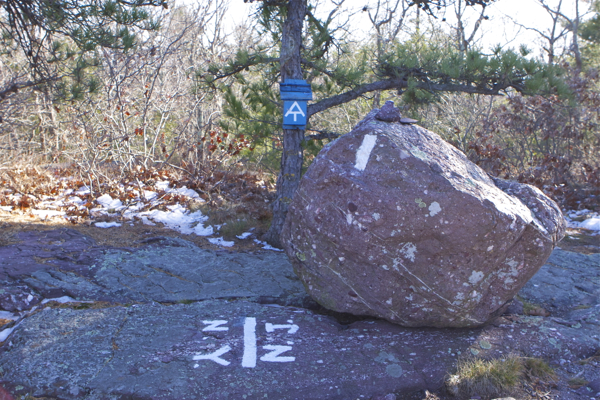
(504, 14)
(501, 27)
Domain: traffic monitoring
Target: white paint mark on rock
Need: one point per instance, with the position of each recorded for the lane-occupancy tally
(249, 357)
(292, 328)
(434, 208)
(215, 325)
(475, 277)
(274, 355)
(216, 356)
(364, 151)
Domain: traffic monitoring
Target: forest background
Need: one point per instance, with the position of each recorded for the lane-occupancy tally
(180, 92)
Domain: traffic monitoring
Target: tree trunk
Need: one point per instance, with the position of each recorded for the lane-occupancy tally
(291, 157)
(575, 45)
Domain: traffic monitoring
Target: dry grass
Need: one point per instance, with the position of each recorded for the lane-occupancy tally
(594, 358)
(538, 368)
(577, 382)
(487, 378)
(498, 377)
(237, 217)
(236, 226)
(533, 309)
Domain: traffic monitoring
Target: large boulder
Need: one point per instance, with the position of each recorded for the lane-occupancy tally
(393, 222)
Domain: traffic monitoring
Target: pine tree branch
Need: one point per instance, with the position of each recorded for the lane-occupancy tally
(322, 135)
(236, 69)
(144, 3)
(16, 86)
(314, 66)
(399, 84)
(354, 94)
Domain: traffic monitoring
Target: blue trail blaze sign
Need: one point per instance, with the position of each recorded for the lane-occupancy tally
(294, 113)
(295, 93)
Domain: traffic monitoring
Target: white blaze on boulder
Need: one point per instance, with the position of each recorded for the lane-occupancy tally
(364, 152)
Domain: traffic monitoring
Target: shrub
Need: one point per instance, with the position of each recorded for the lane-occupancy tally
(550, 142)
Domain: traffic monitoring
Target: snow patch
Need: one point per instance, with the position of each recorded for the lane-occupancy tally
(83, 191)
(45, 214)
(266, 246)
(221, 242)
(592, 224)
(75, 200)
(5, 333)
(201, 230)
(107, 224)
(64, 299)
(8, 315)
(146, 221)
(591, 221)
(149, 195)
(179, 219)
(108, 202)
(184, 191)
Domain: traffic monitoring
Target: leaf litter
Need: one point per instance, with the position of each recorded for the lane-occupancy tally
(123, 212)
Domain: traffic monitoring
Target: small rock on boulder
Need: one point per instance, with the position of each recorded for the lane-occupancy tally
(391, 221)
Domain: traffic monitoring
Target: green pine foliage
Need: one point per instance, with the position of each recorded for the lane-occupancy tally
(428, 67)
(59, 38)
(589, 31)
(433, 67)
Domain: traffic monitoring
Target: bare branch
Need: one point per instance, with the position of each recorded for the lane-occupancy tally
(16, 86)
